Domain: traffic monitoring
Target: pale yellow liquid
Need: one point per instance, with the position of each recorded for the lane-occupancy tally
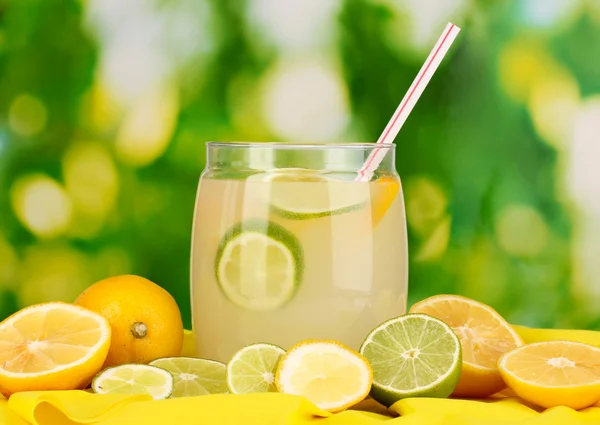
(355, 274)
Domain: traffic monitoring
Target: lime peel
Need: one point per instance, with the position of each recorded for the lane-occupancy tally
(425, 353)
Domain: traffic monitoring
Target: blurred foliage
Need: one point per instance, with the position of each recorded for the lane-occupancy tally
(105, 108)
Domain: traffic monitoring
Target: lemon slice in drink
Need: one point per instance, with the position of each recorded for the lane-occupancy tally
(134, 379)
(414, 355)
(301, 194)
(252, 369)
(193, 376)
(259, 265)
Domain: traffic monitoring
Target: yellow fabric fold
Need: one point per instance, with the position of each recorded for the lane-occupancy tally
(84, 408)
(80, 407)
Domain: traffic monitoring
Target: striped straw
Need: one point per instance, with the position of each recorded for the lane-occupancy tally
(408, 102)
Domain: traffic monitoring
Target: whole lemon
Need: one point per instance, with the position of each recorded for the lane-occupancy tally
(145, 319)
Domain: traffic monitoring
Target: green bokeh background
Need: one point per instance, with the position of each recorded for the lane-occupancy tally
(105, 108)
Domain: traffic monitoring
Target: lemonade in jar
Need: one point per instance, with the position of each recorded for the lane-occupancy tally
(287, 245)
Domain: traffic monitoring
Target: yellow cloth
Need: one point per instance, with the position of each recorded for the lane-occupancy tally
(80, 407)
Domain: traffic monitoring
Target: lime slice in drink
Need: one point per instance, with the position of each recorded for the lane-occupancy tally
(134, 379)
(252, 369)
(259, 265)
(414, 355)
(301, 194)
(194, 376)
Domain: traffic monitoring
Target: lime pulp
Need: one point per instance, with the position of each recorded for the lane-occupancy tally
(252, 369)
(300, 194)
(414, 355)
(259, 265)
(193, 376)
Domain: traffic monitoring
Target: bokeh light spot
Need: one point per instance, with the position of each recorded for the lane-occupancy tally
(426, 204)
(148, 127)
(27, 115)
(42, 205)
(112, 261)
(583, 171)
(436, 244)
(484, 272)
(279, 21)
(550, 13)
(53, 273)
(305, 101)
(521, 62)
(426, 18)
(553, 103)
(101, 110)
(586, 264)
(521, 230)
(9, 265)
(91, 181)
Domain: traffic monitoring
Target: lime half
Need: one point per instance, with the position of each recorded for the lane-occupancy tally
(134, 379)
(252, 369)
(301, 194)
(259, 265)
(194, 376)
(414, 355)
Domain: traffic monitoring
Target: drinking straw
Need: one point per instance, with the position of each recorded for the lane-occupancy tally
(408, 102)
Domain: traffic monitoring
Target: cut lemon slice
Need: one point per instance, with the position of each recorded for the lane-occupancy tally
(194, 376)
(252, 369)
(259, 265)
(301, 194)
(134, 379)
(327, 373)
(51, 346)
(484, 336)
(554, 373)
(383, 195)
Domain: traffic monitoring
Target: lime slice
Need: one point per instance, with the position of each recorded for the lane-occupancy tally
(259, 265)
(301, 194)
(134, 379)
(194, 376)
(252, 369)
(414, 355)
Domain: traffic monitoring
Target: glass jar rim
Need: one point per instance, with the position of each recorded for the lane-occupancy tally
(302, 145)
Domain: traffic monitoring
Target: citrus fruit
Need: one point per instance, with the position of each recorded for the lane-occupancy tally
(414, 355)
(145, 320)
(300, 194)
(51, 346)
(194, 376)
(252, 369)
(384, 193)
(134, 379)
(329, 374)
(484, 336)
(554, 373)
(259, 265)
